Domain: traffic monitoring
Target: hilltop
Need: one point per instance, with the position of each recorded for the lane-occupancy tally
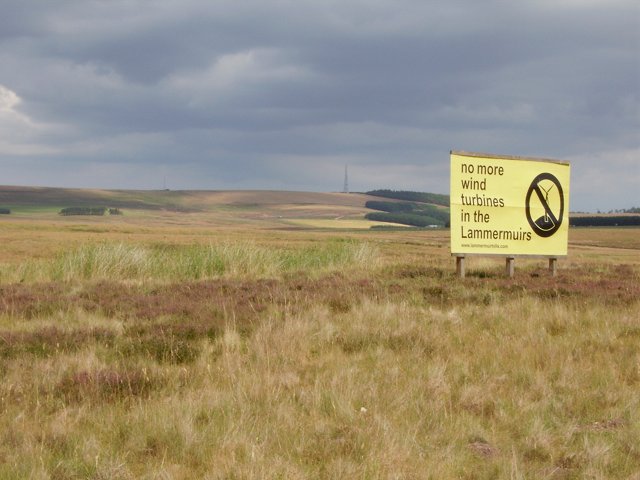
(172, 200)
(280, 208)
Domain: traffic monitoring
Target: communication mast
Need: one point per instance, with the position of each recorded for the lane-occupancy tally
(345, 189)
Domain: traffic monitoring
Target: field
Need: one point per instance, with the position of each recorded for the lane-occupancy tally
(246, 335)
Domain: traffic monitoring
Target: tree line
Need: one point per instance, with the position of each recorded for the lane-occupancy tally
(605, 221)
(409, 196)
(97, 211)
(408, 213)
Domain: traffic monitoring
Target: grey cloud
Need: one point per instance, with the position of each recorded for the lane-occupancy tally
(281, 93)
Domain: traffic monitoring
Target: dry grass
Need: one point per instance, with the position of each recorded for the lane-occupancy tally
(127, 262)
(627, 238)
(354, 357)
(340, 223)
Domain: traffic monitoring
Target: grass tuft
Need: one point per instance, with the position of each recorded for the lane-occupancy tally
(105, 385)
(125, 262)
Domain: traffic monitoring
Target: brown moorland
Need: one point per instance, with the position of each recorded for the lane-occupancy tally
(208, 344)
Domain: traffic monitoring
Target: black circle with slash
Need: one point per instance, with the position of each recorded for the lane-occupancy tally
(550, 222)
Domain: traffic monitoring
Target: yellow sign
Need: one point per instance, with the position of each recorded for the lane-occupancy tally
(508, 205)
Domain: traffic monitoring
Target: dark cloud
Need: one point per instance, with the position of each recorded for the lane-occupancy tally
(283, 94)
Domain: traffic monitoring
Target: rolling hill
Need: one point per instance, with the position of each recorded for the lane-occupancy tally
(280, 208)
(172, 200)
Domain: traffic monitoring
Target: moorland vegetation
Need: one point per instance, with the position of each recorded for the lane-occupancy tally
(160, 345)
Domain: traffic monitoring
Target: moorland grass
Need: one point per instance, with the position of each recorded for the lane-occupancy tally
(327, 359)
(386, 390)
(130, 262)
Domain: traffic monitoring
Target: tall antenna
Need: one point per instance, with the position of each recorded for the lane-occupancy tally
(346, 180)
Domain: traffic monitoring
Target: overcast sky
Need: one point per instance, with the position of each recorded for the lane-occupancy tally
(278, 94)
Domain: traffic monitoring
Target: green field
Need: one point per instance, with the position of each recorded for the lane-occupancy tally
(247, 335)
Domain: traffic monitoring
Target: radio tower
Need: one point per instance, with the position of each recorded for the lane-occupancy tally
(345, 189)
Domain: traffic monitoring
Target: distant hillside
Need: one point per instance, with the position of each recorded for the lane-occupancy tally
(416, 209)
(75, 197)
(174, 200)
(409, 196)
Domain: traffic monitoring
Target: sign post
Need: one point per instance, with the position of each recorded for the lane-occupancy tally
(508, 206)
